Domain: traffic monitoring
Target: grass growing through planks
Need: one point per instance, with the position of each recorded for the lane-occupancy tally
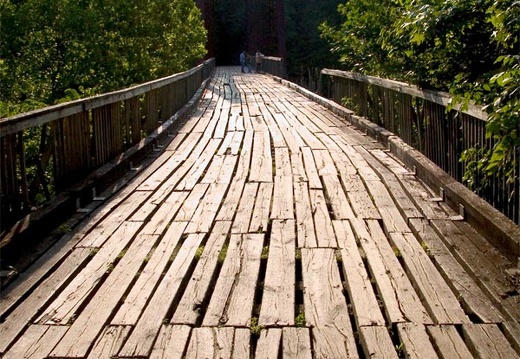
(265, 252)
(222, 254)
(300, 321)
(254, 327)
(199, 252)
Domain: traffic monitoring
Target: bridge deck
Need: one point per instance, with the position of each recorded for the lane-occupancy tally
(267, 228)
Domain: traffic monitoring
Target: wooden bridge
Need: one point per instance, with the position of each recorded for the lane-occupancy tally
(265, 227)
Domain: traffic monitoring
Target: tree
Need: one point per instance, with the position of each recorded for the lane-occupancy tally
(93, 46)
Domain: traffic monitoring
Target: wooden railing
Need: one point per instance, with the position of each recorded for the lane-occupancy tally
(45, 152)
(421, 119)
(275, 66)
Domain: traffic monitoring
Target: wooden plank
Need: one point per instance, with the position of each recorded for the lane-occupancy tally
(245, 209)
(165, 214)
(262, 162)
(415, 341)
(260, 217)
(323, 223)
(135, 301)
(487, 341)
(37, 342)
(311, 169)
(268, 345)
(210, 343)
(195, 173)
(171, 342)
(89, 323)
(111, 224)
(466, 289)
(392, 218)
(404, 203)
(512, 333)
(143, 336)
(108, 345)
(437, 296)
(65, 307)
(232, 300)
(359, 198)
(337, 197)
(207, 210)
(241, 347)
(304, 217)
(296, 343)
(298, 167)
(22, 315)
(324, 163)
(231, 144)
(282, 160)
(283, 199)
(447, 342)
(231, 201)
(221, 169)
(376, 343)
(190, 308)
(278, 300)
(325, 306)
(361, 294)
(400, 301)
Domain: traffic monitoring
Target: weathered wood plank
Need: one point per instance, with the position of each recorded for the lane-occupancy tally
(269, 344)
(282, 160)
(171, 342)
(401, 302)
(466, 289)
(111, 224)
(486, 341)
(65, 307)
(296, 343)
(304, 217)
(232, 299)
(283, 199)
(376, 343)
(130, 310)
(207, 210)
(21, 316)
(447, 342)
(415, 340)
(143, 336)
(190, 307)
(262, 161)
(325, 306)
(512, 333)
(110, 342)
(311, 169)
(90, 321)
(245, 209)
(362, 296)
(322, 221)
(437, 296)
(338, 199)
(37, 342)
(278, 300)
(261, 210)
(199, 166)
(210, 343)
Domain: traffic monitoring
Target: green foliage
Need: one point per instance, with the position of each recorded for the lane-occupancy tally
(55, 50)
(467, 47)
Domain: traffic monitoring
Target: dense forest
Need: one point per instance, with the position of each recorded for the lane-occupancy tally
(58, 50)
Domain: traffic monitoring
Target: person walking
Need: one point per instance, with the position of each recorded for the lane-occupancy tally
(243, 60)
(258, 57)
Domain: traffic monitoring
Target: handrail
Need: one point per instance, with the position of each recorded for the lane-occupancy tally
(424, 120)
(275, 66)
(438, 97)
(71, 140)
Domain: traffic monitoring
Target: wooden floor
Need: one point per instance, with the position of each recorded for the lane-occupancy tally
(267, 228)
